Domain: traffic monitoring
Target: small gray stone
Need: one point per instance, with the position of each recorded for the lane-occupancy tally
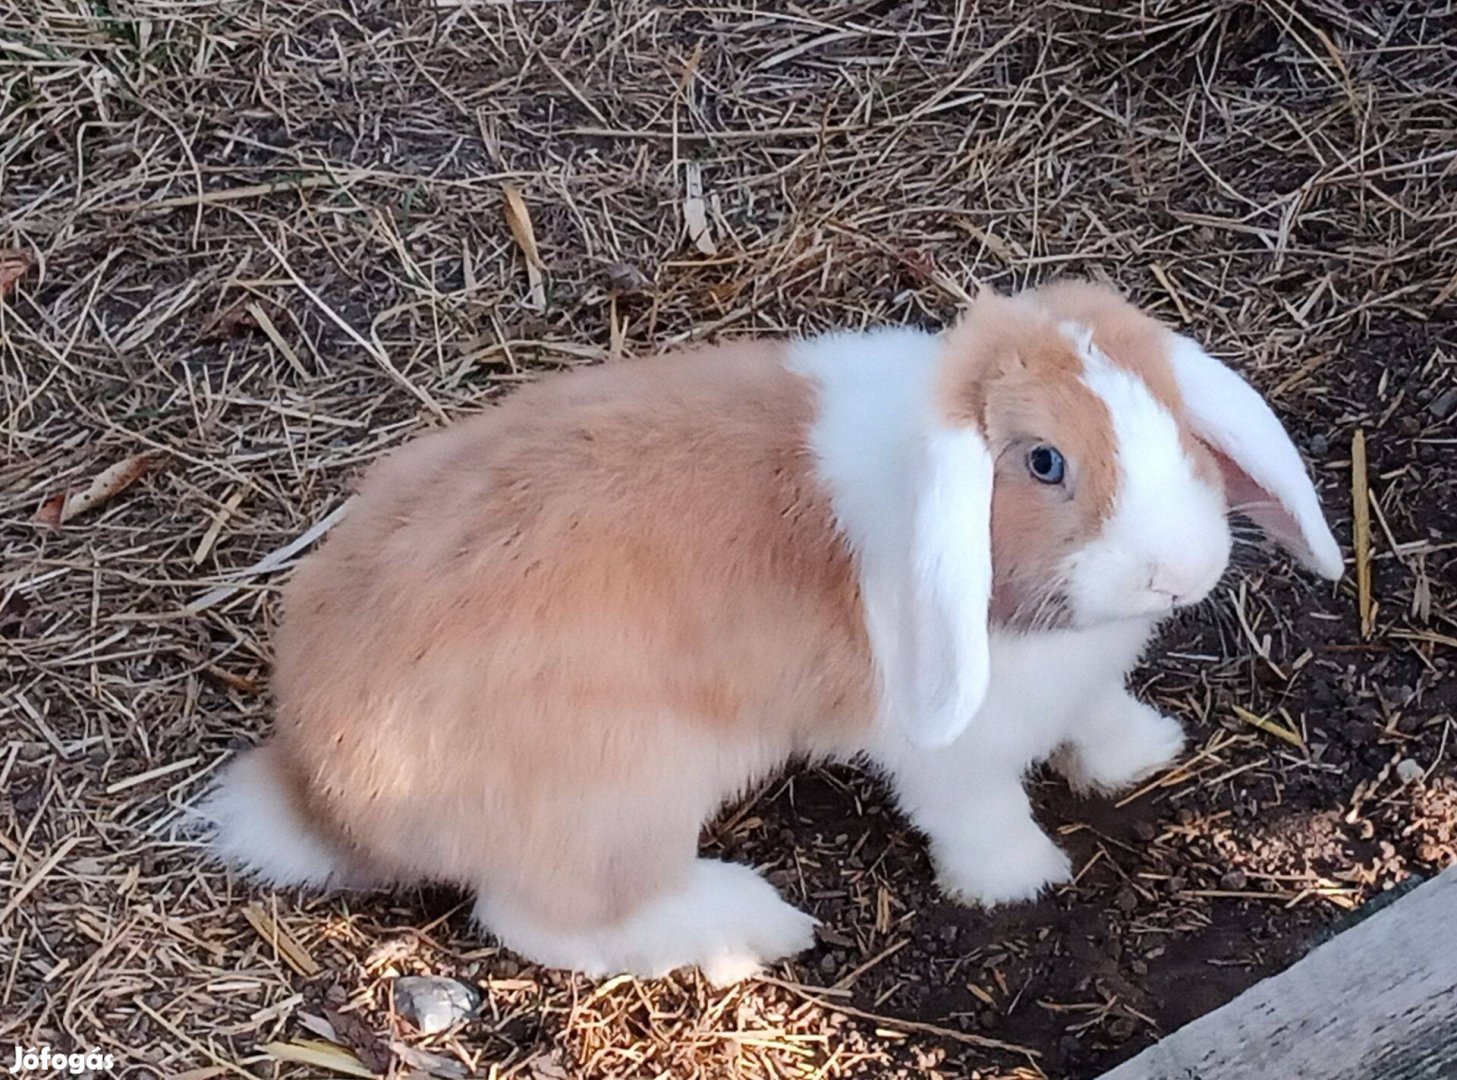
(1408, 770)
(1445, 402)
(624, 277)
(433, 1003)
(1319, 445)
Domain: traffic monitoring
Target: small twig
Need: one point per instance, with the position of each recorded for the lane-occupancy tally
(1361, 529)
(1269, 727)
(272, 561)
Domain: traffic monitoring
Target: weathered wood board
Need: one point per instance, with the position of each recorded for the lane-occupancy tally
(1376, 1002)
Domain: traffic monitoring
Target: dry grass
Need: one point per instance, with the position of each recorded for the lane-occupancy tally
(269, 241)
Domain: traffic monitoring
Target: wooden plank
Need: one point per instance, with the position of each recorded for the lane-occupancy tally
(1377, 1000)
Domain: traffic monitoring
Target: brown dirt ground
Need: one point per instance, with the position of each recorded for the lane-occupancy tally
(264, 242)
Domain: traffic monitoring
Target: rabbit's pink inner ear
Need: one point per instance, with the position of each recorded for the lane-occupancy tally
(1265, 476)
(1248, 499)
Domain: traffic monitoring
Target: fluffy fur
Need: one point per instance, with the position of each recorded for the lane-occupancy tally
(722, 917)
(552, 640)
(911, 492)
(258, 827)
(1054, 690)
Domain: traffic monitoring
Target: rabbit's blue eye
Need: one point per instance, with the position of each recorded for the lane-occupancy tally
(1046, 463)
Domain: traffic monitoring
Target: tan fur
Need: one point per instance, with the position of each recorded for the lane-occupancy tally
(1135, 341)
(551, 639)
(1011, 371)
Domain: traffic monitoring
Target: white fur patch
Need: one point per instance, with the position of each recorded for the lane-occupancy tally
(968, 797)
(873, 394)
(914, 502)
(951, 568)
(251, 826)
(726, 920)
(1232, 415)
(1119, 741)
(1167, 537)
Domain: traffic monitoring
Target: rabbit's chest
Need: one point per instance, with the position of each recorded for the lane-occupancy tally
(1042, 681)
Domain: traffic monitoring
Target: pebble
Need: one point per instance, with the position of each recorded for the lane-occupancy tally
(1408, 770)
(1126, 900)
(1443, 405)
(627, 278)
(1319, 446)
(433, 1003)
(1234, 880)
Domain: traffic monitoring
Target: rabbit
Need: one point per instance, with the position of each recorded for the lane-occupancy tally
(549, 642)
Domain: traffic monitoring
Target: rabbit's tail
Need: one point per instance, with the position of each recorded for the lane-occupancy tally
(252, 821)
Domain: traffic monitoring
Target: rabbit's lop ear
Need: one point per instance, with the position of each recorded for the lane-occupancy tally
(1264, 477)
(942, 670)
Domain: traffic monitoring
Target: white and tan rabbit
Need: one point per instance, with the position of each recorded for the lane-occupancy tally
(549, 642)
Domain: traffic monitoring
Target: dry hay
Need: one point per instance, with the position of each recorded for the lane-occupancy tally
(260, 243)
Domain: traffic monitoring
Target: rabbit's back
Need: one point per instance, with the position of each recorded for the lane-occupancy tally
(619, 580)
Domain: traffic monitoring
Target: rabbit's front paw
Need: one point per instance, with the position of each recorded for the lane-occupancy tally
(1001, 870)
(1123, 742)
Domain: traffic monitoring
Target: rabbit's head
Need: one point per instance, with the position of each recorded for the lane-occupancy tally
(1077, 465)
(1119, 448)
